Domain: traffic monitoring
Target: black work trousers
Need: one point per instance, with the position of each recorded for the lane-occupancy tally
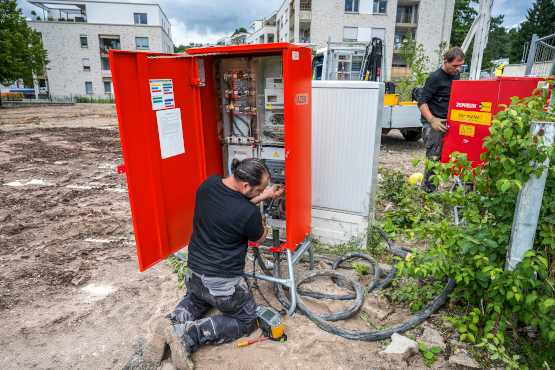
(433, 140)
(238, 313)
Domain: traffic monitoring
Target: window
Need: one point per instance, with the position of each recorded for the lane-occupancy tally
(282, 21)
(351, 6)
(107, 87)
(84, 42)
(141, 42)
(350, 33)
(86, 65)
(88, 87)
(380, 6)
(140, 18)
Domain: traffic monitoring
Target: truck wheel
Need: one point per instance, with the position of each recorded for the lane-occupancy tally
(411, 135)
(385, 131)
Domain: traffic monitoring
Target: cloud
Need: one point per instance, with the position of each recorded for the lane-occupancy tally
(183, 36)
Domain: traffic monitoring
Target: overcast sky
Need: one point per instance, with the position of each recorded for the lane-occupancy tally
(209, 20)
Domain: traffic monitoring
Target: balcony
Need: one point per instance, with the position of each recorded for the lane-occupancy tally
(404, 19)
(109, 43)
(106, 73)
(400, 72)
(304, 40)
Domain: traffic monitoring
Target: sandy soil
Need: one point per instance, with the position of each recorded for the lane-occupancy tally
(71, 295)
(397, 154)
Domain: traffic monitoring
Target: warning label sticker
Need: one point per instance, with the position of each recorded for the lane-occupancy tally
(467, 130)
(479, 118)
(276, 155)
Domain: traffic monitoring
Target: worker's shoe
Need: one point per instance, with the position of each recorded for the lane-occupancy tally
(180, 353)
(153, 351)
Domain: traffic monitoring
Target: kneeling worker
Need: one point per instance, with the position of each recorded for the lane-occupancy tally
(434, 105)
(226, 218)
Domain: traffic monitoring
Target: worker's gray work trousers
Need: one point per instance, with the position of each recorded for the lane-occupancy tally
(238, 309)
(434, 145)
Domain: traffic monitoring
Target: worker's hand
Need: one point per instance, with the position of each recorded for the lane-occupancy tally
(264, 219)
(274, 191)
(438, 124)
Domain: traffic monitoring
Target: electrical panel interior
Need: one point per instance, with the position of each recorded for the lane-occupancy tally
(249, 92)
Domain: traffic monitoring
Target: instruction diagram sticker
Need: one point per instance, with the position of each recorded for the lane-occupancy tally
(301, 99)
(478, 118)
(170, 132)
(161, 94)
(467, 130)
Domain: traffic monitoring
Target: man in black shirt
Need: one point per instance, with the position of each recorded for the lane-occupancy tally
(434, 104)
(226, 218)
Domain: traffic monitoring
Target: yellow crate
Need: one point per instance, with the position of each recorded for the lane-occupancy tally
(391, 99)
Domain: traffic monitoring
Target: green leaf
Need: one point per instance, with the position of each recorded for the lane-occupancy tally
(422, 346)
(282, 340)
(551, 336)
(435, 350)
(429, 355)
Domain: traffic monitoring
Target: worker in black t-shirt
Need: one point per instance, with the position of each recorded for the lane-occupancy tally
(226, 218)
(434, 104)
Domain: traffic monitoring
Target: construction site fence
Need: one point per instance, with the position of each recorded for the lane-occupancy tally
(70, 98)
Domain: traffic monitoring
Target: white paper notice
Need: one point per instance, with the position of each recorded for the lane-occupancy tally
(161, 94)
(170, 132)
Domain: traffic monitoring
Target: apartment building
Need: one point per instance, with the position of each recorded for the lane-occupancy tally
(237, 39)
(264, 30)
(78, 34)
(313, 21)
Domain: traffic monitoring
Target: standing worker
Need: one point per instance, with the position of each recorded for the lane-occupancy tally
(226, 218)
(434, 104)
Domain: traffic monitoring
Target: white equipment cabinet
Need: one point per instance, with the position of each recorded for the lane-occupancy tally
(346, 136)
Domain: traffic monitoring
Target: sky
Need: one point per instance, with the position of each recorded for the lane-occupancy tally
(209, 20)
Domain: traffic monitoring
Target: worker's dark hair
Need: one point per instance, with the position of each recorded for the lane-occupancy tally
(251, 170)
(454, 53)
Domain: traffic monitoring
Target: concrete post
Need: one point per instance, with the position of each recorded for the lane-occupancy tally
(531, 55)
(529, 203)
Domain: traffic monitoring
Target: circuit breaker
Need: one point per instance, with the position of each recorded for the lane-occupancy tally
(226, 103)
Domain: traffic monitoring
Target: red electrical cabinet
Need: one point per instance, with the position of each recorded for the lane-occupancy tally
(472, 107)
(178, 115)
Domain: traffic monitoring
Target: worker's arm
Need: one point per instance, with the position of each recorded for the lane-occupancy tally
(429, 90)
(425, 110)
(265, 230)
(255, 228)
(274, 191)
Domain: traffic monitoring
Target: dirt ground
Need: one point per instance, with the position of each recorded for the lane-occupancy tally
(71, 295)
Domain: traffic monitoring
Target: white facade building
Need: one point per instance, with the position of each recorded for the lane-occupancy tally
(264, 30)
(78, 34)
(237, 39)
(313, 21)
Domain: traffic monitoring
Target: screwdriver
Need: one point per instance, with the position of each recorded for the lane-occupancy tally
(246, 343)
(272, 202)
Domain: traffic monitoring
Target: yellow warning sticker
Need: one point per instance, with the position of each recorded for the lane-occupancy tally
(478, 118)
(231, 106)
(276, 155)
(270, 106)
(485, 107)
(467, 130)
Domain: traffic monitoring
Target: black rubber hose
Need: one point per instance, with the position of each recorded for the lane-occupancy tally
(346, 256)
(347, 297)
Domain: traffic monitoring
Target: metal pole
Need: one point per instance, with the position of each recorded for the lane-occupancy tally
(384, 74)
(531, 55)
(325, 64)
(528, 204)
(442, 30)
(526, 45)
(293, 288)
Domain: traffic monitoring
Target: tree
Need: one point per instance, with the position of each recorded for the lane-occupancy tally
(540, 20)
(463, 17)
(181, 48)
(239, 30)
(23, 55)
(498, 42)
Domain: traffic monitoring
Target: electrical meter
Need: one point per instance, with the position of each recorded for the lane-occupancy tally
(269, 321)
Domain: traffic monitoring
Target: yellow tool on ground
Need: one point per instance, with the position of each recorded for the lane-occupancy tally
(415, 177)
(270, 322)
(247, 342)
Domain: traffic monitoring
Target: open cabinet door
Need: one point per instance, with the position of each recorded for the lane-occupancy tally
(298, 149)
(162, 148)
